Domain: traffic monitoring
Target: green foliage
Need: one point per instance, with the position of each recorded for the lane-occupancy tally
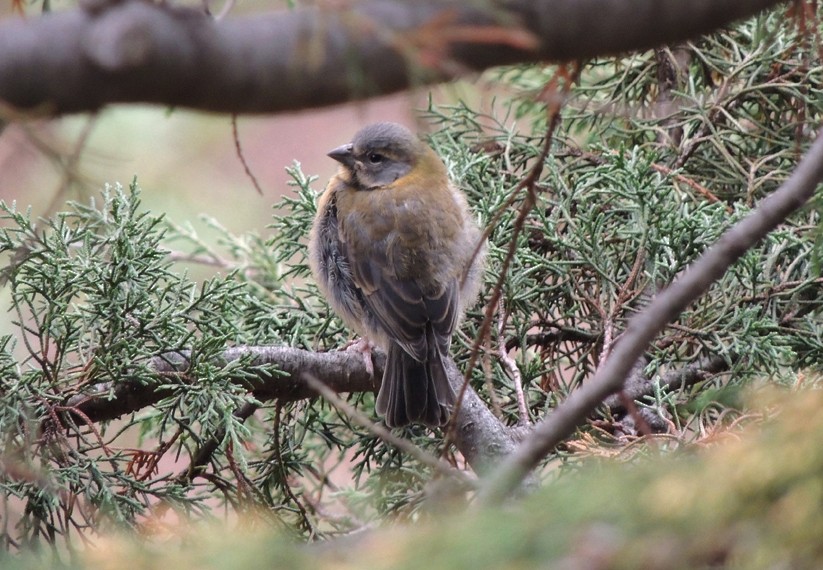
(96, 298)
(606, 234)
(751, 500)
(656, 155)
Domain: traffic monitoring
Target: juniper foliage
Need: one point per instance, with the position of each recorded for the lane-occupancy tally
(657, 154)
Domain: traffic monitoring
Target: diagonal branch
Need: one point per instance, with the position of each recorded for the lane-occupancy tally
(143, 52)
(642, 329)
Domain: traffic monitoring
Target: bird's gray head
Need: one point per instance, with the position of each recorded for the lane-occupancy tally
(379, 154)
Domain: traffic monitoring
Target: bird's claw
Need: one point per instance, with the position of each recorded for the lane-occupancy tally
(365, 347)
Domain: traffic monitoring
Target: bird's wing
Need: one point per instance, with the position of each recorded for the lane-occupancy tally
(402, 308)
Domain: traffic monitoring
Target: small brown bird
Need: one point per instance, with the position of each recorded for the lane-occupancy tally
(392, 248)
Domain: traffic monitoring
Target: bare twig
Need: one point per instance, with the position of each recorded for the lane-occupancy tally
(562, 334)
(511, 366)
(70, 166)
(699, 188)
(555, 94)
(308, 526)
(206, 451)
(200, 259)
(378, 430)
(239, 151)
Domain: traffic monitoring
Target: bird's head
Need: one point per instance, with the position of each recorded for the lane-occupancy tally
(379, 155)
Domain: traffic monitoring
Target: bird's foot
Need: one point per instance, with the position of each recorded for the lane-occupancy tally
(365, 347)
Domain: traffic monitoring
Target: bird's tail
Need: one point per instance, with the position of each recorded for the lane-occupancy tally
(414, 391)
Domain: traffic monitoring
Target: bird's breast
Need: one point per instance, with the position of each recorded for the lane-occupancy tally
(411, 231)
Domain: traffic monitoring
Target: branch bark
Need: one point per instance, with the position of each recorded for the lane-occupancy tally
(141, 52)
(637, 386)
(339, 370)
(481, 437)
(641, 330)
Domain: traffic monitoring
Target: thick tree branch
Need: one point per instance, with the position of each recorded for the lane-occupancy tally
(141, 52)
(481, 437)
(666, 306)
(341, 371)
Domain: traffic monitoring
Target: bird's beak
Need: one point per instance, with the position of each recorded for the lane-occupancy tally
(343, 155)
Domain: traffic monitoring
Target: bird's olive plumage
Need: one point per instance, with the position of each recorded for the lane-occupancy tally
(392, 249)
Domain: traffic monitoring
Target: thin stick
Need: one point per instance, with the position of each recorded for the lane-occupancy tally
(510, 365)
(239, 150)
(384, 434)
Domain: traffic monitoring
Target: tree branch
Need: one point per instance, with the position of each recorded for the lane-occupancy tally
(339, 370)
(141, 52)
(637, 386)
(641, 330)
(478, 434)
(481, 437)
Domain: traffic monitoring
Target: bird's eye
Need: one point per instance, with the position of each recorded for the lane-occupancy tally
(375, 158)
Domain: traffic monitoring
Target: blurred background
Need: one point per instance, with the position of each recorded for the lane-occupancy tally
(186, 163)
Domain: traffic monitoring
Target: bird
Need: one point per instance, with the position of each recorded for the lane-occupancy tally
(395, 250)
